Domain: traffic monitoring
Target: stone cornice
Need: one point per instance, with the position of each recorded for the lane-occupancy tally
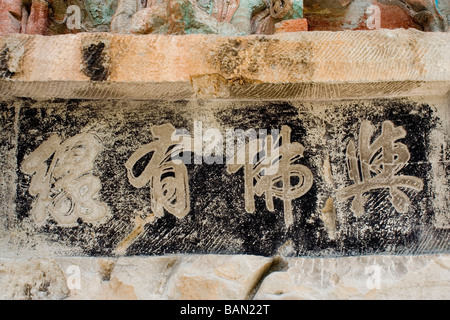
(290, 66)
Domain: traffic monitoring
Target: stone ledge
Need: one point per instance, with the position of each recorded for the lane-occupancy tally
(303, 66)
(227, 277)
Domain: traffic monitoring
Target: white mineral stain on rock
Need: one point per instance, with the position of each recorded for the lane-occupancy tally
(32, 279)
(380, 277)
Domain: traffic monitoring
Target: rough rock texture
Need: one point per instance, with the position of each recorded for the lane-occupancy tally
(91, 278)
(33, 279)
(311, 66)
(293, 25)
(213, 277)
(228, 278)
(147, 276)
(378, 277)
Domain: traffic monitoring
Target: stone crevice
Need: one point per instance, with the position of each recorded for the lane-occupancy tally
(278, 264)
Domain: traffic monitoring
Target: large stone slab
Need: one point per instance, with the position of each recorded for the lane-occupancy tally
(302, 66)
(92, 179)
(227, 278)
(371, 278)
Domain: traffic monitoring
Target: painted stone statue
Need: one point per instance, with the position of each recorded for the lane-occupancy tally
(28, 16)
(224, 17)
(50, 17)
(429, 15)
(100, 12)
(424, 12)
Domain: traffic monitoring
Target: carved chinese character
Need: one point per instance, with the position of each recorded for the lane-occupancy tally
(375, 165)
(62, 180)
(165, 173)
(272, 170)
(167, 178)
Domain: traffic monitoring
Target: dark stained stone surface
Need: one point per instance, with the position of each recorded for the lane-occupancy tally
(7, 163)
(5, 72)
(217, 221)
(94, 61)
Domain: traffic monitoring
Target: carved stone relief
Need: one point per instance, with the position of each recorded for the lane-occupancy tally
(144, 178)
(225, 17)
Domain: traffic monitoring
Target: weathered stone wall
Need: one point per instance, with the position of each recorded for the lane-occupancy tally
(78, 223)
(227, 278)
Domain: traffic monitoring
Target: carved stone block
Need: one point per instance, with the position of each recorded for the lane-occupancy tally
(151, 178)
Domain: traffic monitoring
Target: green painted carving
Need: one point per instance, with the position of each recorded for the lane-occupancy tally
(224, 17)
(100, 11)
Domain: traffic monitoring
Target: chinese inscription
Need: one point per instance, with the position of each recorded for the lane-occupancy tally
(274, 172)
(168, 178)
(232, 187)
(377, 165)
(62, 179)
(65, 187)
